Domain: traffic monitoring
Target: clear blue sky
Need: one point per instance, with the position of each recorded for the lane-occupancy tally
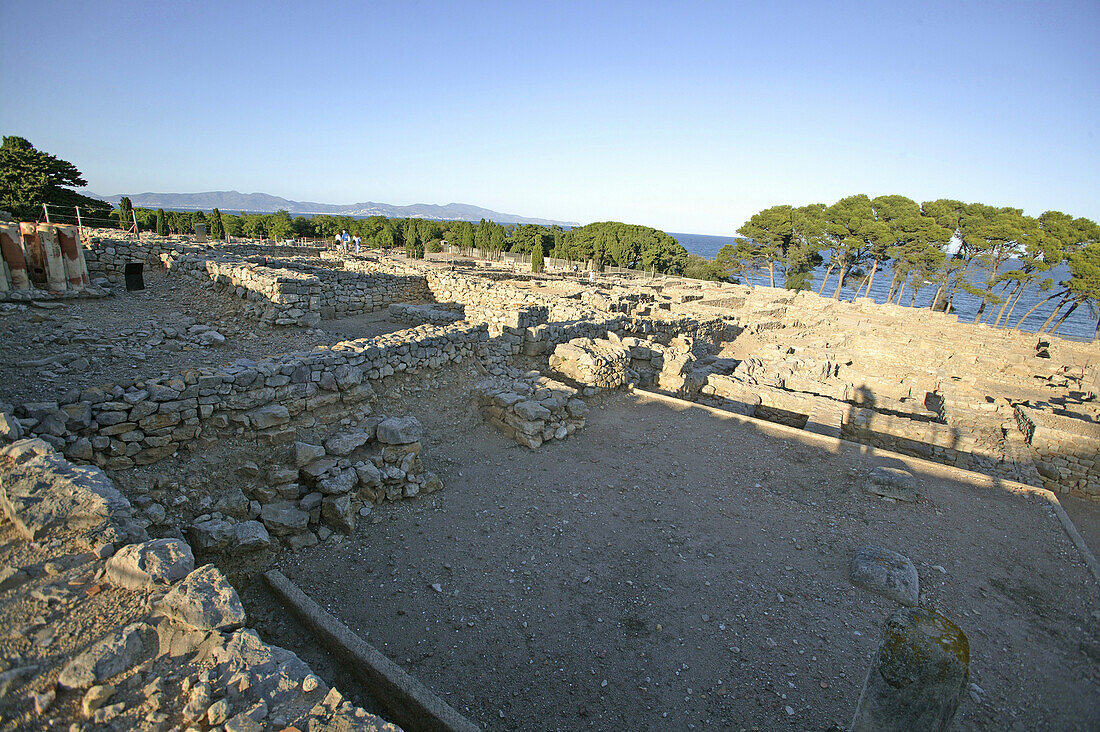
(683, 116)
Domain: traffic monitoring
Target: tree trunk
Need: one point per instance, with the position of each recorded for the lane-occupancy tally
(981, 309)
(1036, 307)
(1004, 305)
(1056, 309)
(771, 272)
(864, 282)
(1063, 318)
(936, 298)
(1008, 317)
(871, 278)
(840, 282)
(901, 291)
(1096, 333)
(825, 279)
(893, 284)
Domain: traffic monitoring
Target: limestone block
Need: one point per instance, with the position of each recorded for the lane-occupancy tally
(399, 430)
(282, 519)
(137, 566)
(121, 649)
(204, 600)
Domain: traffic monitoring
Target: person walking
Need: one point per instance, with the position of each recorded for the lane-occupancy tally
(346, 238)
(356, 241)
(336, 241)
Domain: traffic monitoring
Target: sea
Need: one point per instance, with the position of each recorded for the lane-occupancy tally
(1081, 324)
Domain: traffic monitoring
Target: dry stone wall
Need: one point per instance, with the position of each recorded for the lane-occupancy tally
(531, 408)
(1068, 449)
(118, 428)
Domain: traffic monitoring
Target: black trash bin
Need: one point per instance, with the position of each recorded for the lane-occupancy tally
(134, 278)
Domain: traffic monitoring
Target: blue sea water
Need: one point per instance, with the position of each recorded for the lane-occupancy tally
(1081, 325)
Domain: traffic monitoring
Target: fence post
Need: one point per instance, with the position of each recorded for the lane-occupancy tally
(136, 232)
(46, 210)
(79, 226)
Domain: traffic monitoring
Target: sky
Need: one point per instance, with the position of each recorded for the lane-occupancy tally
(686, 116)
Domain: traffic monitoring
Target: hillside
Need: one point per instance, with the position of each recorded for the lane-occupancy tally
(233, 201)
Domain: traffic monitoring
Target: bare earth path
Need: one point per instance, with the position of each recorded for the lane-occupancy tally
(668, 569)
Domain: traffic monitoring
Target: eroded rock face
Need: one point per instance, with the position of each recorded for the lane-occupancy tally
(885, 572)
(46, 494)
(137, 566)
(120, 650)
(917, 676)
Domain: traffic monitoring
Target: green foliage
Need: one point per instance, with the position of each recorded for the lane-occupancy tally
(414, 248)
(30, 177)
(253, 226)
(701, 268)
(217, 230)
(125, 212)
(537, 264)
(161, 225)
(622, 245)
(435, 246)
(279, 225)
(1084, 267)
(786, 240)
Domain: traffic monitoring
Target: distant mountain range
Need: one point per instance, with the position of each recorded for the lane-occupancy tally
(233, 201)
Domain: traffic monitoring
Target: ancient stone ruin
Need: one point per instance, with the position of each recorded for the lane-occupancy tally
(139, 507)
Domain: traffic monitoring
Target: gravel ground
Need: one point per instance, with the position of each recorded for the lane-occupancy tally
(663, 569)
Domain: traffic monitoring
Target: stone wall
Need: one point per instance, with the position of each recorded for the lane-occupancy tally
(1068, 450)
(531, 409)
(117, 428)
(296, 293)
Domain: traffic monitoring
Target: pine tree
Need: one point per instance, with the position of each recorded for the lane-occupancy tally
(536, 259)
(30, 177)
(162, 227)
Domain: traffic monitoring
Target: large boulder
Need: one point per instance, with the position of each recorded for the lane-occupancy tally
(345, 443)
(337, 511)
(249, 535)
(886, 572)
(305, 453)
(917, 676)
(137, 566)
(273, 415)
(43, 493)
(211, 535)
(204, 600)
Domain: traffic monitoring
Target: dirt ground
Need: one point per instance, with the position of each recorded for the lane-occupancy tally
(670, 569)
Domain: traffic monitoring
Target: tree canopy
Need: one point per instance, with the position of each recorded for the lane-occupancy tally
(30, 177)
